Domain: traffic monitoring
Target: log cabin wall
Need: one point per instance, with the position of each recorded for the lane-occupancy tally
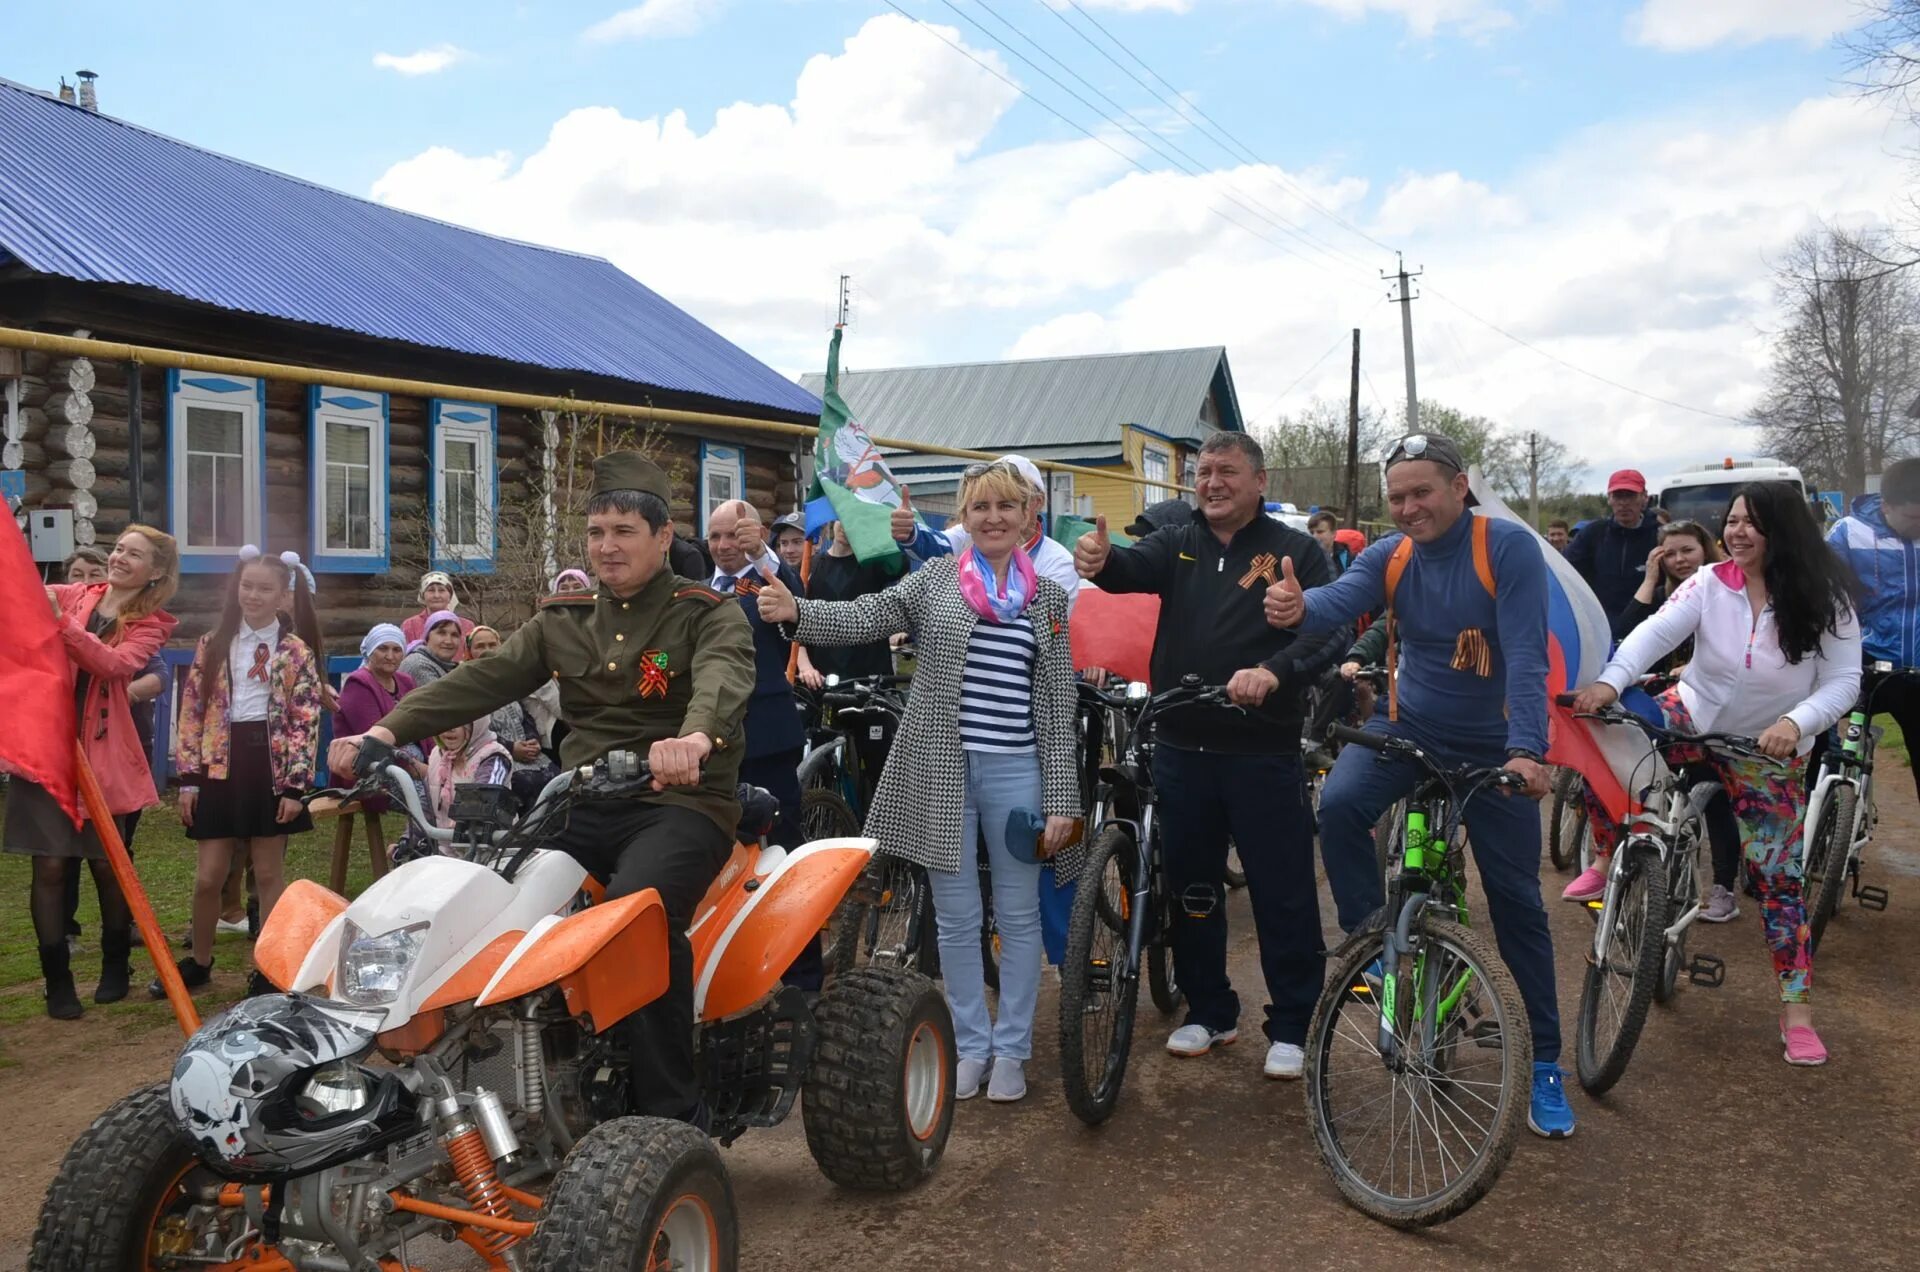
(72, 436)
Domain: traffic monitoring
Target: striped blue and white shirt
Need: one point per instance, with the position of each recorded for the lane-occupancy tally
(996, 688)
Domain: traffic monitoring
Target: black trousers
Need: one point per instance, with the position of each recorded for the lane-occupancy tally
(635, 845)
(779, 775)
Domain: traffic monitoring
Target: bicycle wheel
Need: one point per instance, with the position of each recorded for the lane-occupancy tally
(824, 815)
(1683, 893)
(1099, 987)
(1616, 990)
(1390, 836)
(1236, 877)
(1569, 821)
(1162, 985)
(1418, 1142)
(887, 920)
(1824, 876)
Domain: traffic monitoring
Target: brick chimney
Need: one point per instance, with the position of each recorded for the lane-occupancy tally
(89, 99)
(66, 91)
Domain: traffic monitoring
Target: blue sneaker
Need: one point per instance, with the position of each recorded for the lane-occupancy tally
(1549, 1115)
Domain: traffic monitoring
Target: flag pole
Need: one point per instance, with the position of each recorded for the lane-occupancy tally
(793, 647)
(123, 873)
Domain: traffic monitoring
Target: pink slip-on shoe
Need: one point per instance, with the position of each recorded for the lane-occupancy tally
(1803, 1046)
(1589, 885)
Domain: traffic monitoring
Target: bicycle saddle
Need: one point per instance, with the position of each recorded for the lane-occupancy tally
(758, 810)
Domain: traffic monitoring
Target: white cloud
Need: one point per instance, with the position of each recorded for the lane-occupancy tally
(425, 62)
(1423, 17)
(1637, 249)
(656, 19)
(1680, 25)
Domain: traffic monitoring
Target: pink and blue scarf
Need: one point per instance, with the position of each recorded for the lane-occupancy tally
(1001, 600)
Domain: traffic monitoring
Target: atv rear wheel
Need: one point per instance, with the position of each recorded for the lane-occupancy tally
(635, 1194)
(878, 1101)
(122, 1194)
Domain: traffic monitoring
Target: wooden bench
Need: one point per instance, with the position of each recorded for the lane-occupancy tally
(343, 839)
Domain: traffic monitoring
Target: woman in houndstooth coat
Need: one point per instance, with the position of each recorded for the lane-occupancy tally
(987, 745)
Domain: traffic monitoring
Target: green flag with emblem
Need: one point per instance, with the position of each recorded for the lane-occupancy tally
(850, 474)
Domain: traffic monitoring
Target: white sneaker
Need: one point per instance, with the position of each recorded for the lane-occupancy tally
(966, 1078)
(1197, 1040)
(1009, 1081)
(237, 927)
(1284, 1060)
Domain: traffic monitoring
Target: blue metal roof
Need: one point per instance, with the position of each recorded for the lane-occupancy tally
(92, 198)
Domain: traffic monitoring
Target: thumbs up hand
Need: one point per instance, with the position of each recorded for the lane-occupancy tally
(1091, 553)
(1286, 604)
(903, 527)
(776, 601)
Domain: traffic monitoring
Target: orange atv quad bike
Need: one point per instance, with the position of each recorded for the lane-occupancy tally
(440, 1050)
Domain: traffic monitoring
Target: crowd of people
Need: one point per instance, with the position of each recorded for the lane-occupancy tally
(693, 651)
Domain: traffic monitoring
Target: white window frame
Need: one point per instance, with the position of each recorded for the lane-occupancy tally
(1149, 451)
(725, 463)
(478, 423)
(246, 396)
(354, 409)
(1059, 494)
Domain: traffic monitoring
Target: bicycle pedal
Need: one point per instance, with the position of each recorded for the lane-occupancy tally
(1199, 900)
(1707, 971)
(1486, 1035)
(1870, 896)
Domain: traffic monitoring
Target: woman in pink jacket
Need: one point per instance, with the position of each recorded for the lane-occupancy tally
(111, 630)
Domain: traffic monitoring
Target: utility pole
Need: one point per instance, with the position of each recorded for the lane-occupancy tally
(1405, 300)
(1533, 479)
(846, 304)
(1353, 439)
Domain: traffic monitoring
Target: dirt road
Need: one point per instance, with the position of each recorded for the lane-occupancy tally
(1711, 1153)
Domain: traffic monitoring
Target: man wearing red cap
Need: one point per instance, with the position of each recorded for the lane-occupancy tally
(1611, 555)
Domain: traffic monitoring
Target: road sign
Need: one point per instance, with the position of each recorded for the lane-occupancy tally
(1837, 500)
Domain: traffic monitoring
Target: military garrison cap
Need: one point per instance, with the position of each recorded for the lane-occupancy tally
(630, 470)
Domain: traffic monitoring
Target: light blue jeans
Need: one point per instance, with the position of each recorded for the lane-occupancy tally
(995, 786)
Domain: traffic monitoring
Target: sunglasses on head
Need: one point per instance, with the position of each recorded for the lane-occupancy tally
(1674, 527)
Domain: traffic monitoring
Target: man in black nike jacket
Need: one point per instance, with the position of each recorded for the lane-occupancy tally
(1222, 774)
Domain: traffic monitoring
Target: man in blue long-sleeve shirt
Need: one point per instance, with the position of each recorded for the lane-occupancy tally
(1459, 707)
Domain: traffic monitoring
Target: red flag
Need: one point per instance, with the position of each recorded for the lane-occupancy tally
(1115, 631)
(36, 680)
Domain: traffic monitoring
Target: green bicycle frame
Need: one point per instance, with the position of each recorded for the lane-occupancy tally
(1420, 846)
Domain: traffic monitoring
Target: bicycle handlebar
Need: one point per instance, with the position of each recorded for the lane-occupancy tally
(1735, 743)
(1469, 776)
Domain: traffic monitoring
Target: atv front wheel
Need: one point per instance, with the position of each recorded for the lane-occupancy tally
(878, 1101)
(639, 1193)
(123, 1193)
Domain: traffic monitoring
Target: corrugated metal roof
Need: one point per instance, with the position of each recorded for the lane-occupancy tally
(89, 197)
(1003, 406)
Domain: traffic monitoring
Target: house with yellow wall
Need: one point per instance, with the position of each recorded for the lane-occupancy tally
(1136, 414)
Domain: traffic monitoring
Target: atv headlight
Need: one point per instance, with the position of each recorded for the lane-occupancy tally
(373, 968)
(340, 1087)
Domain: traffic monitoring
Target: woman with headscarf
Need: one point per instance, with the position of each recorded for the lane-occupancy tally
(569, 582)
(442, 646)
(465, 755)
(368, 693)
(436, 597)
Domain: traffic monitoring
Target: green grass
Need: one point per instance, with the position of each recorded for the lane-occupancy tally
(164, 857)
(1894, 742)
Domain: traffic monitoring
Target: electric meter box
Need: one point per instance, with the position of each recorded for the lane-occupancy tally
(50, 531)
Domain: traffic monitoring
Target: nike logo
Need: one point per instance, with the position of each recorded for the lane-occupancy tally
(1185, 557)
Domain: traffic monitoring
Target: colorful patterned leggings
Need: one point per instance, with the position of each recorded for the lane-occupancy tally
(1770, 803)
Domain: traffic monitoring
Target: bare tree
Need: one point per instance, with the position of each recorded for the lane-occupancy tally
(1886, 53)
(1846, 367)
(1503, 456)
(1307, 455)
(537, 529)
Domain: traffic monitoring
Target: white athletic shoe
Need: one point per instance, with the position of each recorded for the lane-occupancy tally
(1197, 1040)
(966, 1078)
(237, 927)
(1284, 1060)
(1009, 1081)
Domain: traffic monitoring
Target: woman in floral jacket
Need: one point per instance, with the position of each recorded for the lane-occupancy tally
(248, 741)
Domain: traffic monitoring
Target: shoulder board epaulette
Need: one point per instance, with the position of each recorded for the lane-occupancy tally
(698, 592)
(570, 600)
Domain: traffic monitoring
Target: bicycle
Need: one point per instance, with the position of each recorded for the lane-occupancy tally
(1421, 1026)
(1842, 811)
(1653, 898)
(1568, 838)
(1123, 911)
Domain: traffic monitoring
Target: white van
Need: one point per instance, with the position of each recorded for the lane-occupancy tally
(1702, 494)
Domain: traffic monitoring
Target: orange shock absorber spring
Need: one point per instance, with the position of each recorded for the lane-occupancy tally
(473, 1167)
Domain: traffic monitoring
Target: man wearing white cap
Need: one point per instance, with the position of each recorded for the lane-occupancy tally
(1051, 559)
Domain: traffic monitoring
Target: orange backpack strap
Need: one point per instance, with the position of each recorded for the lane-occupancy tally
(1483, 553)
(1396, 566)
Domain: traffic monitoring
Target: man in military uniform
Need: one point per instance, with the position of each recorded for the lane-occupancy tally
(651, 661)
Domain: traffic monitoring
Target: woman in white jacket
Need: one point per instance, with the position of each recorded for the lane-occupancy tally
(1776, 653)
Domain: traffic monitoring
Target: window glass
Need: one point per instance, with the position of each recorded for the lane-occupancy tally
(216, 478)
(349, 486)
(460, 500)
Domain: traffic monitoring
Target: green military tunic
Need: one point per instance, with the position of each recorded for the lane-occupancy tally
(674, 659)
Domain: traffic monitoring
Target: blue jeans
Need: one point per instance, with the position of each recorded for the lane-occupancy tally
(1260, 802)
(1056, 913)
(996, 785)
(1505, 833)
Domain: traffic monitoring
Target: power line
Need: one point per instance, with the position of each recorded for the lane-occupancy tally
(1180, 104)
(1580, 370)
(1180, 158)
(1338, 340)
(1075, 124)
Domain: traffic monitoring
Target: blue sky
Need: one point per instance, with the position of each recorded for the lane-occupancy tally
(1535, 155)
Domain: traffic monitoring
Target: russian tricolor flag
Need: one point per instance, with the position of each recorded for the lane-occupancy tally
(1578, 640)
